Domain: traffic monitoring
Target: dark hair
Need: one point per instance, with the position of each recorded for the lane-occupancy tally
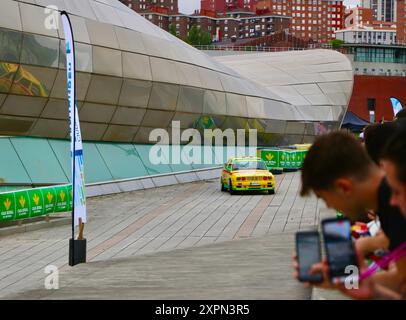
(395, 151)
(376, 136)
(332, 156)
(401, 114)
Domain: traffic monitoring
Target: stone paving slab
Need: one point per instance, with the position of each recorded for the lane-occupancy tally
(158, 220)
(258, 268)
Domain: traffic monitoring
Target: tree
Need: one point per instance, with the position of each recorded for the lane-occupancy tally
(197, 37)
(336, 43)
(172, 29)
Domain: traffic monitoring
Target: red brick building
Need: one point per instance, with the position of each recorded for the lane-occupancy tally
(311, 19)
(170, 6)
(401, 22)
(227, 5)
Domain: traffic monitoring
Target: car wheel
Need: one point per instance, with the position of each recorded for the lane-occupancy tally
(230, 188)
(222, 186)
(272, 191)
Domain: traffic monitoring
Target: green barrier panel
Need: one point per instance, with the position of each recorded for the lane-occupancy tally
(35, 202)
(282, 158)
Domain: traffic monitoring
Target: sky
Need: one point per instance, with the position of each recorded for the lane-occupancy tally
(188, 6)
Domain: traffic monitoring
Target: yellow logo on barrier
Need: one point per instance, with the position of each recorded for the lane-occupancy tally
(269, 156)
(293, 157)
(283, 156)
(36, 199)
(22, 201)
(7, 204)
(62, 195)
(49, 197)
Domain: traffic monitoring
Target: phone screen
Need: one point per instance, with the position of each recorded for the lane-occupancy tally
(339, 247)
(308, 252)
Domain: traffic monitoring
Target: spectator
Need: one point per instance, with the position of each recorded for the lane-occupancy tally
(339, 171)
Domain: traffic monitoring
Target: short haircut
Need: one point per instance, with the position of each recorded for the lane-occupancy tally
(376, 137)
(395, 152)
(333, 156)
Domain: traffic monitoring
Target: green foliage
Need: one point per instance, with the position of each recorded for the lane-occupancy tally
(336, 43)
(198, 37)
(172, 29)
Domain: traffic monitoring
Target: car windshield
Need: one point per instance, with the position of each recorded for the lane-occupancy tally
(249, 165)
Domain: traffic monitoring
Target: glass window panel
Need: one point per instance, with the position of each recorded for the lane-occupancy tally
(234, 123)
(107, 61)
(33, 18)
(102, 34)
(11, 168)
(95, 167)
(153, 169)
(104, 89)
(120, 133)
(23, 106)
(157, 47)
(163, 96)
(10, 15)
(274, 126)
(135, 93)
(187, 120)
(83, 56)
(56, 109)
(2, 98)
(188, 75)
(255, 107)
(80, 8)
(39, 160)
(136, 66)
(190, 99)
(157, 119)
(33, 81)
(178, 167)
(164, 70)
(40, 50)
(122, 160)
(142, 135)
(210, 79)
(106, 13)
(208, 156)
(236, 105)
(15, 125)
(129, 40)
(10, 45)
(50, 128)
(214, 102)
(59, 89)
(128, 116)
(7, 74)
(93, 112)
(295, 128)
(92, 131)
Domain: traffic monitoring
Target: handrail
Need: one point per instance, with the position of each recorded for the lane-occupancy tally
(254, 48)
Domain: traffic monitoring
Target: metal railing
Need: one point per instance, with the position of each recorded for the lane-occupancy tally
(254, 48)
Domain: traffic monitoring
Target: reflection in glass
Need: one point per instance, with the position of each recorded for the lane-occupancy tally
(10, 45)
(26, 83)
(7, 72)
(40, 50)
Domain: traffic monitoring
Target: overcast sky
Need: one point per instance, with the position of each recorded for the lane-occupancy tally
(188, 6)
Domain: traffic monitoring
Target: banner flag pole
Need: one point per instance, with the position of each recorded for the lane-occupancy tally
(77, 248)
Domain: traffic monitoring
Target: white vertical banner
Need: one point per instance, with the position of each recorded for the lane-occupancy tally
(78, 177)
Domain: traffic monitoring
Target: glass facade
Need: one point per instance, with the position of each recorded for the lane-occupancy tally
(133, 77)
(376, 54)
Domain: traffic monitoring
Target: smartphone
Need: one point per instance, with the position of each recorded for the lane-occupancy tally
(339, 248)
(308, 253)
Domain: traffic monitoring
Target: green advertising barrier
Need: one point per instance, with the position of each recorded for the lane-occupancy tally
(36, 202)
(282, 158)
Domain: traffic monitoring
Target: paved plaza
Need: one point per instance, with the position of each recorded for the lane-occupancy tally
(165, 242)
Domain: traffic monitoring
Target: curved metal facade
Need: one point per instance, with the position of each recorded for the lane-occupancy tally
(134, 77)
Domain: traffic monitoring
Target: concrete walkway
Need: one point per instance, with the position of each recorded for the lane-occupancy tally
(158, 220)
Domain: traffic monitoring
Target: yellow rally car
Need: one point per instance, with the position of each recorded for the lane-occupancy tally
(247, 173)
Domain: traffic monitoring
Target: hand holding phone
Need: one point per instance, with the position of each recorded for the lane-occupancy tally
(308, 253)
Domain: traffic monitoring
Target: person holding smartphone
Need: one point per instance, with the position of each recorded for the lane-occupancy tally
(338, 170)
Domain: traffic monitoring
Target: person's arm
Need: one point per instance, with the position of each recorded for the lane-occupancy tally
(394, 278)
(367, 245)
